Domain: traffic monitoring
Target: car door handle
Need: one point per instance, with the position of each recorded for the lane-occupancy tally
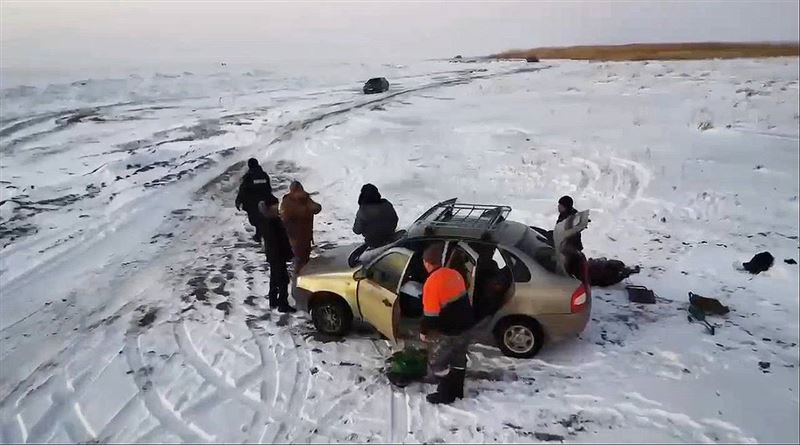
(387, 303)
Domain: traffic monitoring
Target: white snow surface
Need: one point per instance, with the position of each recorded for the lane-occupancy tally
(132, 304)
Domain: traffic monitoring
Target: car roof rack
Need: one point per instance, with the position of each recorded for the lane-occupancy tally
(467, 219)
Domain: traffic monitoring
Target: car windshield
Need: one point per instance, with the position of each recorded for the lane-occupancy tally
(537, 249)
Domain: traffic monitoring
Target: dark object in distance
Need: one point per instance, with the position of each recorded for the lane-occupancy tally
(760, 262)
(376, 85)
(604, 272)
(532, 59)
(640, 294)
(708, 305)
(790, 261)
(547, 437)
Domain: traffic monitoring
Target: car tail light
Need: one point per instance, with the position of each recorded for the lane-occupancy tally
(579, 299)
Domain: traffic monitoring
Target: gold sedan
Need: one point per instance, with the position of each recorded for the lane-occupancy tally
(517, 280)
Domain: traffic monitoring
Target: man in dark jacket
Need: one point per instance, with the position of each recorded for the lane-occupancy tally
(255, 187)
(376, 218)
(565, 210)
(448, 316)
(278, 251)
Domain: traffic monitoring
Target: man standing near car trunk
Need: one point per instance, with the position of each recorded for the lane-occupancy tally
(565, 210)
(448, 317)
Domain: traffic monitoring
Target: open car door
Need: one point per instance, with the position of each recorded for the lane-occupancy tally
(377, 292)
(464, 259)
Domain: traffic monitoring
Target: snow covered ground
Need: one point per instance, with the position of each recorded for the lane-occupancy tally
(132, 307)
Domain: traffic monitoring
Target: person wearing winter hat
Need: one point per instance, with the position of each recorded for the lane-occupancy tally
(376, 218)
(565, 210)
(297, 213)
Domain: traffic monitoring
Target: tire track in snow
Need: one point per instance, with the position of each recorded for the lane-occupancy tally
(66, 410)
(299, 390)
(195, 358)
(259, 424)
(118, 423)
(348, 402)
(155, 402)
(289, 129)
(635, 176)
(356, 397)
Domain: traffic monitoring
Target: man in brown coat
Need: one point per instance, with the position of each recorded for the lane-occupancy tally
(297, 213)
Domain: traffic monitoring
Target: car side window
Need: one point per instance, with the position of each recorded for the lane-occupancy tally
(387, 271)
(518, 268)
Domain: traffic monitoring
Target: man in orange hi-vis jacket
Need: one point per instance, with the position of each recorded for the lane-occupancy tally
(448, 317)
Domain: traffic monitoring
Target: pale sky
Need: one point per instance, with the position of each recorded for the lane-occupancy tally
(134, 33)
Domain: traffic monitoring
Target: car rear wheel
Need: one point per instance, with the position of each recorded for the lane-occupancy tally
(332, 316)
(519, 336)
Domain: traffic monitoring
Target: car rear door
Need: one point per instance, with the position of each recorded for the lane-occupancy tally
(377, 293)
(464, 259)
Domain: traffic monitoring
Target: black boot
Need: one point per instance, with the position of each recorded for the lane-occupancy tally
(445, 392)
(274, 296)
(458, 382)
(283, 300)
(286, 309)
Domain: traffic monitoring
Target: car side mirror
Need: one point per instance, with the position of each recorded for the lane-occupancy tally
(360, 274)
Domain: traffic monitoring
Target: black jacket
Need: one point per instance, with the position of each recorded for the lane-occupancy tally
(573, 241)
(276, 242)
(255, 187)
(491, 283)
(377, 222)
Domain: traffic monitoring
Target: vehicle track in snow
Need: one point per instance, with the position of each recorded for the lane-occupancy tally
(215, 364)
(288, 130)
(275, 412)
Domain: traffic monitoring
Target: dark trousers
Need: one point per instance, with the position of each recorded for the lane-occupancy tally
(447, 353)
(278, 283)
(255, 220)
(447, 363)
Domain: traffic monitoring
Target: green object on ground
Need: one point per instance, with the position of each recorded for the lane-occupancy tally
(410, 363)
(700, 315)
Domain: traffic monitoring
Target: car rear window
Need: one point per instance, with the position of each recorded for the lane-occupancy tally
(519, 270)
(538, 250)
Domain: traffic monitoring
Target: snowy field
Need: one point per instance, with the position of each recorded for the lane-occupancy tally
(132, 306)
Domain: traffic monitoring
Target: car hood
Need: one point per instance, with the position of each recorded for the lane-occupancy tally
(331, 261)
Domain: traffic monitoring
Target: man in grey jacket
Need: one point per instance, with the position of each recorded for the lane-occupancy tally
(376, 219)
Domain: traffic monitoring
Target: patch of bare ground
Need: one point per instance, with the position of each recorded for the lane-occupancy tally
(658, 51)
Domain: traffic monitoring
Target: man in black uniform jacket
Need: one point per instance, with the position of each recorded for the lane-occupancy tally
(255, 187)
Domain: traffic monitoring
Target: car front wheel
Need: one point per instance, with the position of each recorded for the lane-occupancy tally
(519, 336)
(332, 316)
